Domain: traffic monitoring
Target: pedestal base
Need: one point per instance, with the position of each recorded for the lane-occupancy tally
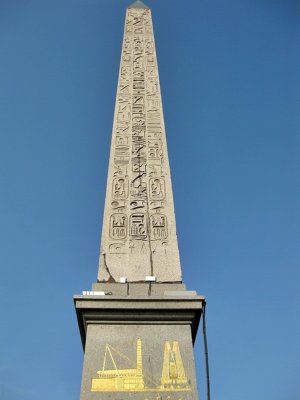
(139, 345)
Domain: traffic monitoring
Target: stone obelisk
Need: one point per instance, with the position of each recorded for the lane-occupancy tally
(139, 232)
(138, 323)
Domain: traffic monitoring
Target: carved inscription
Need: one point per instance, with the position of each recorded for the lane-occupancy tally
(139, 185)
(138, 228)
(118, 226)
(120, 188)
(154, 149)
(157, 189)
(117, 248)
(158, 226)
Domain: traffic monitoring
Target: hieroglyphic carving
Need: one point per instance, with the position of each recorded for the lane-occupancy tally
(118, 226)
(117, 248)
(154, 149)
(121, 156)
(152, 85)
(118, 204)
(140, 213)
(158, 226)
(122, 141)
(120, 188)
(138, 186)
(148, 46)
(138, 229)
(136, 204)
(157, 188)
(153, 102)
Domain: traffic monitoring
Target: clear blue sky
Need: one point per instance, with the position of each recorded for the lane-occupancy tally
(230, 80)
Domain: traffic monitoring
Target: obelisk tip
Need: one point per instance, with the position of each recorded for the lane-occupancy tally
(138, 4)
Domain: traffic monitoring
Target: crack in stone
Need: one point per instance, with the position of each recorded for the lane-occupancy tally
(111, 278)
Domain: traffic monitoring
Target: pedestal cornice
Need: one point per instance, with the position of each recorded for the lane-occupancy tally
(144, 310)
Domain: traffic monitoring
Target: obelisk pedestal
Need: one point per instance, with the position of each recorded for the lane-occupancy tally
(138, 324)
(138, 341)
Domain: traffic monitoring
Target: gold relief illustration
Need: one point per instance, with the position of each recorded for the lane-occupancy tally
(173, 374)
(136, 379)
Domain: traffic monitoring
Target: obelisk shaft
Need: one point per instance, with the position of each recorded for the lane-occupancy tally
(139, 230)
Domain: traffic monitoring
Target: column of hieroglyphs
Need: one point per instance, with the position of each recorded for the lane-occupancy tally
(139, 230)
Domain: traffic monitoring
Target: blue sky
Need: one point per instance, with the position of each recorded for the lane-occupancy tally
(230, 83)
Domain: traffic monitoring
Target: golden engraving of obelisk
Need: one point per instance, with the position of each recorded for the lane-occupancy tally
(173, 378)
(139, 230)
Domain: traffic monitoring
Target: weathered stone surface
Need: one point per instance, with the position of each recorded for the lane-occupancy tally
(138, 347)
(133, 289)
(139, 230)
(113, 369)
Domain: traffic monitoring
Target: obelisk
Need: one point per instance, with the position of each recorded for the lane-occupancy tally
(139, 231)
(138, 324)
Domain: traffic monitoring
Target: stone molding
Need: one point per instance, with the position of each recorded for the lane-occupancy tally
(143, 310)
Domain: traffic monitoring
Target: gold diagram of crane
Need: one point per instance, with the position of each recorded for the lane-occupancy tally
(173, 377)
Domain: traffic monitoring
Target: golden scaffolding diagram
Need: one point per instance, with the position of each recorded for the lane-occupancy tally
(173, 377)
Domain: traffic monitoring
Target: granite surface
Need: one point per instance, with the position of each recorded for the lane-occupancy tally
(138, 362)
(139, 230)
